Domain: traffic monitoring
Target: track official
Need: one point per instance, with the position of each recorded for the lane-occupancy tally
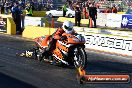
(93, 14)
(29, 10)
(64, 10)
(77, 16)
(16, 15)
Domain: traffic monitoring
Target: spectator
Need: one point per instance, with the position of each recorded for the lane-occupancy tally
(22, 18)
(68, 2)
(108, 10)
(93, 14)
(76, 4)
(39, 6)
(16, 15)
(77, 16)
(10, 5)
(32, 5)
(119, 8)
(29, 11)
(98, 10)
(70, 5)
(6, 6)
(48, 6)
(84, 12)
(2, 8)
(22, 4)
(114, 9)
(129, 10)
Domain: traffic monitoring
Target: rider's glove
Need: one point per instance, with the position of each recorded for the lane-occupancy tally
(63, 38)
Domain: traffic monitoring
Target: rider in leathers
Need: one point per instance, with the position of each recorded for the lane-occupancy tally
(67, 27)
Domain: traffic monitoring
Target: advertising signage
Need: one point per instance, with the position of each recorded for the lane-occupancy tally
(3, 24)
(126, 21)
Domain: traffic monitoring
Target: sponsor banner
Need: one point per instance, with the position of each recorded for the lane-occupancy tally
(3, 24)
(126, 21)
(33, 21)
(113, 44)
(114, 20)
(101, 19)
(107, 78)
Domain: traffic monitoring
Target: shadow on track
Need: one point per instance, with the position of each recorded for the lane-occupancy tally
(99, 66)
(10, 82)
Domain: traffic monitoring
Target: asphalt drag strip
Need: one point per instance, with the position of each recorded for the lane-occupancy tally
(20, 72)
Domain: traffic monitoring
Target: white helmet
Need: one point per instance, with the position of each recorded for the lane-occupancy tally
(68, 27)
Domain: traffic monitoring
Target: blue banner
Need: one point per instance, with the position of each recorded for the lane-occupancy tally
(126, 21)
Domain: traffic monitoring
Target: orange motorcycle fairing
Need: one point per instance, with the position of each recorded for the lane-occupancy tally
(43, 41)
(63, 47)
(59, 47)
(72, 39)
(69, 49)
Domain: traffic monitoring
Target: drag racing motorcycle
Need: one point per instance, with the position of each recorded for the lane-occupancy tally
(70, 51)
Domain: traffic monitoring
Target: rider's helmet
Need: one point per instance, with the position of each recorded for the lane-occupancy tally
(68, 27)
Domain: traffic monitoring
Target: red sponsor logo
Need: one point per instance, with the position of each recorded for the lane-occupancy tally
(107, 78)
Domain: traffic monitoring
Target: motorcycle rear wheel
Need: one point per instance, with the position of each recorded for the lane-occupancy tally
(38, 53)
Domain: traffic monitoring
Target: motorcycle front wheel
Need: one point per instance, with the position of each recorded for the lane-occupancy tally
(80, 58)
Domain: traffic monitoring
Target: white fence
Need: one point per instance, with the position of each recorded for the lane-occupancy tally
(115, 20)
(111, 41)
(112, 44)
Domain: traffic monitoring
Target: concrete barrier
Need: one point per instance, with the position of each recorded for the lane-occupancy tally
(108, 32)
(11, 26)
(62, 19)
(105, 40)
(37, 13)
(34, 31)
(78, 29)
(33, 21)
(104, 31)
(5, 16)
(109, 43)
(121, 12)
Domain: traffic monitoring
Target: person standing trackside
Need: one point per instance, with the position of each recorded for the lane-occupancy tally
(77, 16)
(16, 15)
(84, 12)
(93, 14)
(29, 11)
(114, 9)
(6, 7)
(64, 10)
